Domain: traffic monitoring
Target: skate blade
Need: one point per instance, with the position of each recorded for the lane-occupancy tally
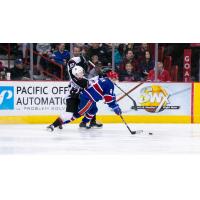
(49, 129)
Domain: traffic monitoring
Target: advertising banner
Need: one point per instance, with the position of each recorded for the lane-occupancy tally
(154, 99)
(32, 98)
(39, 102)
(187, 65)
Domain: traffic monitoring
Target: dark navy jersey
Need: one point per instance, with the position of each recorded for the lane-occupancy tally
(103, 88)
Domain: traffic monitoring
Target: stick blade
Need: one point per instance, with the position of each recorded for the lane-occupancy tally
(137, 132)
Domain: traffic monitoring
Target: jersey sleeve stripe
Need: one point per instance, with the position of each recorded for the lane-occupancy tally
(108, 98)
(98, 89)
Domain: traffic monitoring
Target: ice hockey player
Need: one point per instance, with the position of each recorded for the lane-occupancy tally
(77, 83)
(103, 88)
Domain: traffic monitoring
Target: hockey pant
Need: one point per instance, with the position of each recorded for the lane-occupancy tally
(87, 108)
(76, 109)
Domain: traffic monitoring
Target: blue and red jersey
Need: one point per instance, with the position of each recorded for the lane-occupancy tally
(103, 88)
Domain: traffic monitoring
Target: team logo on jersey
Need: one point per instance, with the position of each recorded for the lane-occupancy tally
(155, 99)
(6, 98)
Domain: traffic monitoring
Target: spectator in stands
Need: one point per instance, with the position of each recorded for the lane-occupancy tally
(130, 46)
(102, 51)
(76, 51)
(2, 71)
(61, 56)
(54, 46)
(95, 59)
(21, 50)
(141, 53)
(19, 71)
(1, 66)
(163, 75)
(119, 54)
(128, 58)
(146, 65)
(129, 74)
(43, 49)
(84, 51)
(96, 70)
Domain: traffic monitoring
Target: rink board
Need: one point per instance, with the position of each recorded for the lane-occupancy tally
(105, 119)
(41, 102)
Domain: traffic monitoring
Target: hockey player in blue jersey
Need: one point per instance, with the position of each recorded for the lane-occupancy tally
(102, 88)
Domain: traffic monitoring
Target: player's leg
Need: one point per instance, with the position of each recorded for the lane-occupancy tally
(95, 123)
(71, 108)
(72, 105)
(89, 116)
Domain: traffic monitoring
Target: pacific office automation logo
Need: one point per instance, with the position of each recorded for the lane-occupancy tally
(6, 98)
(155, 99)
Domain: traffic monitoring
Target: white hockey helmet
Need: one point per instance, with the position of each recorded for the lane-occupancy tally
(78, 71)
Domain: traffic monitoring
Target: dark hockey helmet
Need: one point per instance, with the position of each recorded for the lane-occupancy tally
(105, 70)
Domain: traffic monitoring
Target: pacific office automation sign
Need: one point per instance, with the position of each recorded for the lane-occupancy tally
(33, 97)
(187, 65)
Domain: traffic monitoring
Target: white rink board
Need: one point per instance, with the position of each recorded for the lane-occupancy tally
(36, 98)
(179, 94)
(48, 98)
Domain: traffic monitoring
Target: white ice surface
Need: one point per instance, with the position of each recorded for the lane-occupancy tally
(111, 139)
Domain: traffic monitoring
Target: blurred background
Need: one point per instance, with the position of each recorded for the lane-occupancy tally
(156, 62)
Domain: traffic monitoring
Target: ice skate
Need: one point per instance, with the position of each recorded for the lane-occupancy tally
(50, 128)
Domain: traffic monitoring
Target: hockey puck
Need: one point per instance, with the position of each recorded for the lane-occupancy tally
(150, 133)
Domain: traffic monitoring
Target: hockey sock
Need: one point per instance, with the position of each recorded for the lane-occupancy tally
(69, 120)
(93, 119)
(58, 122)
(87, 118)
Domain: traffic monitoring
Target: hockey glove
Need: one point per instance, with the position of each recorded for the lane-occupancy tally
(117, 110)
(74, 93)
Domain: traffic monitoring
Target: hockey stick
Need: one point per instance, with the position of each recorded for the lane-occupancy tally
(134, 103)
(129, 92)
(91, 63)
(132, 132)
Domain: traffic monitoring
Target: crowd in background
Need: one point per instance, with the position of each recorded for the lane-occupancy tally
(132, 61)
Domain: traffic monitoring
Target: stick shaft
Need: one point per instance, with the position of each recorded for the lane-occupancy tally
(124, 92)
(134, 102)
(126, 124)
(129, 92)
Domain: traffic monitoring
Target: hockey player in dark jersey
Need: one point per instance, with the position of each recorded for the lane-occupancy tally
(76, 67)
(103, 88)
(78, 83)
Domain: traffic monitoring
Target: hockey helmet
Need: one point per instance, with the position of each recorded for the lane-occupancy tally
(78, 71)
(105, 70)
(112, 75)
